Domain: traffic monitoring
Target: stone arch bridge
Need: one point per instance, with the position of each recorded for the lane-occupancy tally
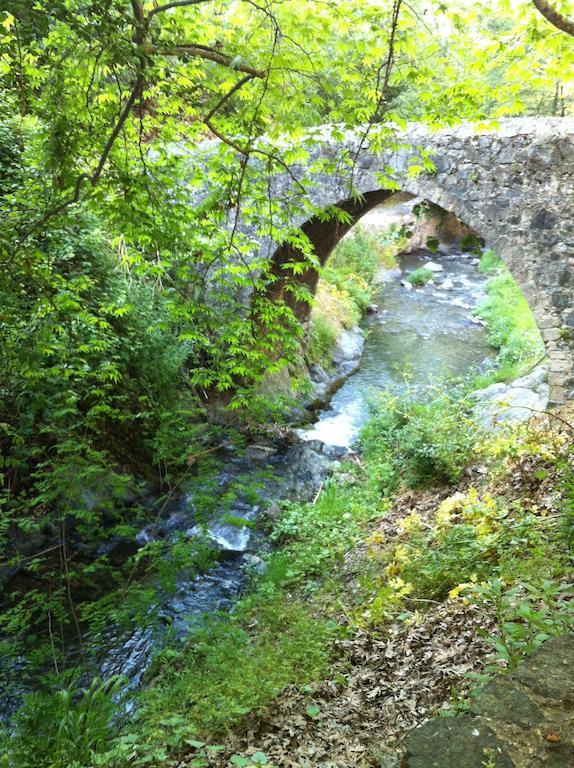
(512, 184)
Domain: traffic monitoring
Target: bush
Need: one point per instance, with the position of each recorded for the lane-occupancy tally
(426, 441)
(362, 254)
(420, 277)
(345, 290)
(322, 340)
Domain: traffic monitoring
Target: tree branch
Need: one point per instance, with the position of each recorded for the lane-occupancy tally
(228, 95)
(386, 68)
(145, 50)
(174, 4)
(226, 140)
(554, 17)
(246, 151)
(204, 52)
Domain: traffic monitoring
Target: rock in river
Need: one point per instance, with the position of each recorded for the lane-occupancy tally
(433, 266)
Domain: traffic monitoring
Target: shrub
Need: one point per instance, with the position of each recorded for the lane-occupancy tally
(420, 277)
(426, 441)
(322, 340)
(362, 254)
(64, 728)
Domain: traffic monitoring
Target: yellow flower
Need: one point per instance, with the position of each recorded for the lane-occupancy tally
(484, 528)
(455, 592)
(450, 506)
(401, 554)
(409, 522)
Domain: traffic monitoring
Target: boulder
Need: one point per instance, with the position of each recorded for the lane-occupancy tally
(433, 266)
(255, 564)
(349, 346)
(318, 374)
(257, 453)
(534, 379)
(517, 401)
(385, 275)
(521, 720)
(455, 742)
(308, 468)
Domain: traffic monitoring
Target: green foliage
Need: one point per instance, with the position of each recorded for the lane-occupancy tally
(313, 536)
(510, 323)
(489, 262)
(420, 277)
(125, 307)
(322, 340)
(228, 671)
(346, 289)
(480, 548)
(70, 728)
(526, 615)
(360, 253)
(425, 440)
(568, 501)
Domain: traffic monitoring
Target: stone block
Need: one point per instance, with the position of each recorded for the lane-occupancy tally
(455, 742)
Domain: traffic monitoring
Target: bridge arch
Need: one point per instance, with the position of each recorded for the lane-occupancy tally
(512, 185)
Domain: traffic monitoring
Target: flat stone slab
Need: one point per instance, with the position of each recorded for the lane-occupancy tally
(521, 720)
(456, 742)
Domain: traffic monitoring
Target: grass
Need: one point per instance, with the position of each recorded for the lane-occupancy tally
(482, 544)
(489, 262)
(511, 327)
(227, 670)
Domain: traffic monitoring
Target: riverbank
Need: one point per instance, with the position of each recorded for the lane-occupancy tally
(300, 607)
(385, 604)
(420, 597)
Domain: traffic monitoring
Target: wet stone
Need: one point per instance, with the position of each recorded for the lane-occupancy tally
(257, 453)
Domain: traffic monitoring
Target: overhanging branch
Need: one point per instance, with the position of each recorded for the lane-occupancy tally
(174, 4)
(204, 52)
(554, 17)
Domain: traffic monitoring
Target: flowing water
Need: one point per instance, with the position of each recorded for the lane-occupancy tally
(426, 333)
(418, 336)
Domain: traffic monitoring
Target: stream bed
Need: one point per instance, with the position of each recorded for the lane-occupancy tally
(416, 335)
